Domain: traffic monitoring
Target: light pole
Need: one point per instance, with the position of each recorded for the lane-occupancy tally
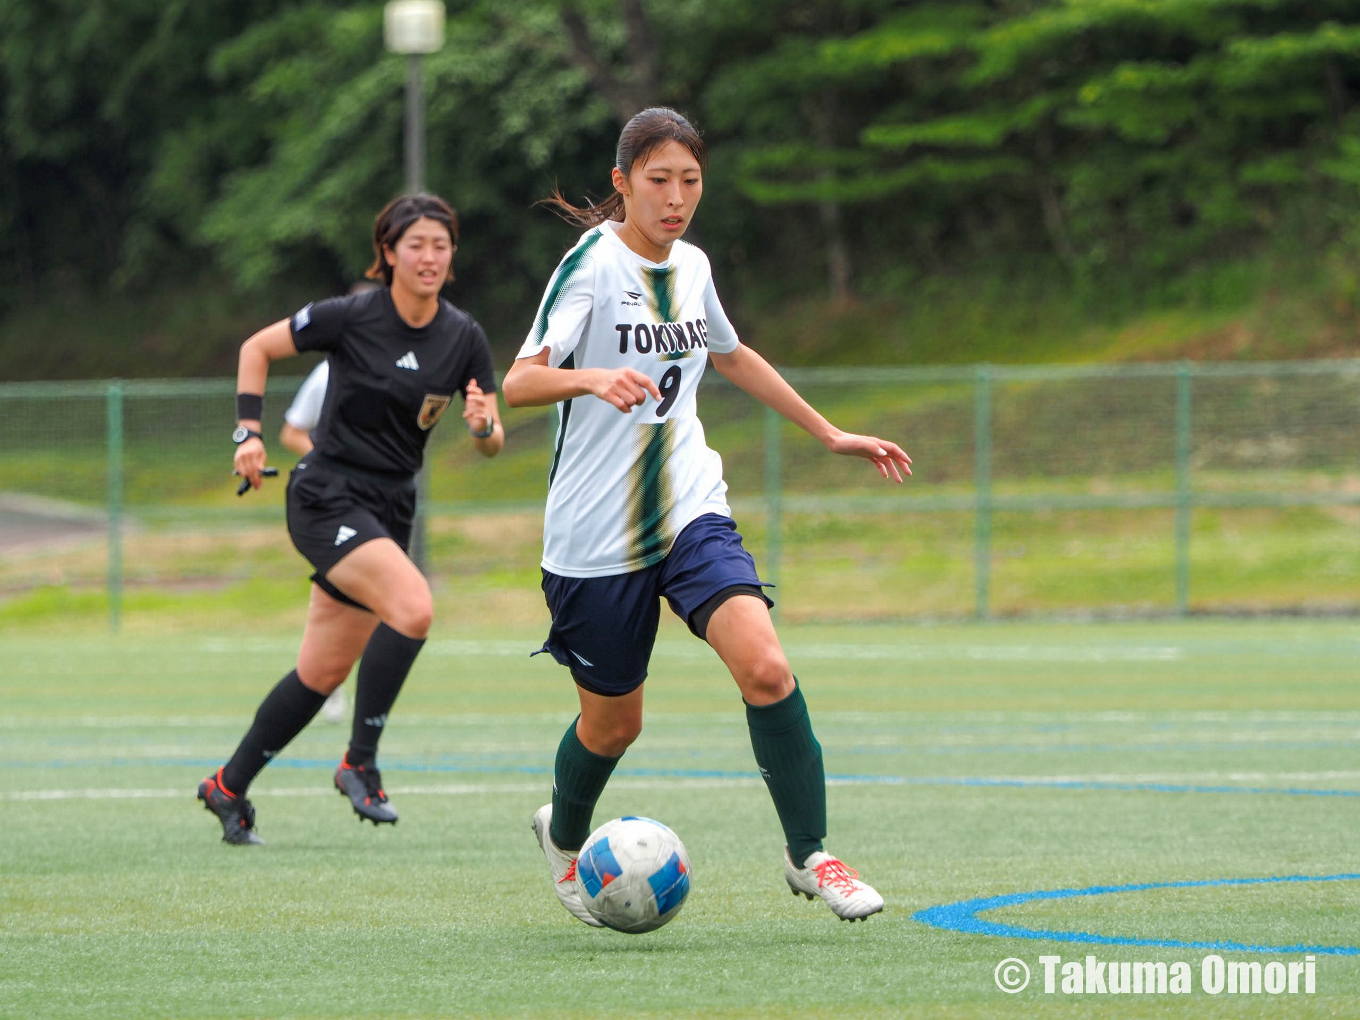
(414, 28)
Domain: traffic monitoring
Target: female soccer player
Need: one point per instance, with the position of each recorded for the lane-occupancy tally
(397, 353)
(637, 508)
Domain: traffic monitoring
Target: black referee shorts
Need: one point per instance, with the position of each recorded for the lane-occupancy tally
(335, 508)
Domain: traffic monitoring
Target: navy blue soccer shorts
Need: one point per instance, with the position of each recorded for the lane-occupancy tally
(603, 628)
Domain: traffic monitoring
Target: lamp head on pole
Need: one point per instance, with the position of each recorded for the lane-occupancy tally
(413, 26)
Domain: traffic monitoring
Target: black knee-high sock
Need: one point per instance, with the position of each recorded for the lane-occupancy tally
(579, 776)
(387, 659)
(284, 713)
(790, 761)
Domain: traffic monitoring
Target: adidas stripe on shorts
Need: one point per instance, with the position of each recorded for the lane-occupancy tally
(335, 508)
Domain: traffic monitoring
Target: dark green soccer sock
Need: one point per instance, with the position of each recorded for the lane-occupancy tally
(790, 761)
(579, 777)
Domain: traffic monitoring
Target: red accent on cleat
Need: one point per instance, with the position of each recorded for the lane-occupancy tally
(833, 873)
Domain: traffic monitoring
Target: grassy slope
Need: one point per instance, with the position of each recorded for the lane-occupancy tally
(1264, 308)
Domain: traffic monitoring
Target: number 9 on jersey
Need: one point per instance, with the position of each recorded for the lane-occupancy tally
(669, 385)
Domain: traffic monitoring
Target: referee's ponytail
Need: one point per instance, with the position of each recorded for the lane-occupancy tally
(396, 218)
(641, 136)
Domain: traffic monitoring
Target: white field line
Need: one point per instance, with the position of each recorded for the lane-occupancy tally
(1329, 718)
(460, 789)
(819, 650)
(1179, 777)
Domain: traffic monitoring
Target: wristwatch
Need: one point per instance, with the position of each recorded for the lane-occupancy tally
(490, 429)
(242, 434)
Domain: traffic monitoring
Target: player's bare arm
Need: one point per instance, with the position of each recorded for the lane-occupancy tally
(295, 440)
(479, 411)
(531, 382)
(745, 368)
(270, 344)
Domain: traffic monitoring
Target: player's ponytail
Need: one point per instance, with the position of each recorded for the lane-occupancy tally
(641, 136)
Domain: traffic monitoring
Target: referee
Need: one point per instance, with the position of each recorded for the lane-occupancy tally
(397, 355)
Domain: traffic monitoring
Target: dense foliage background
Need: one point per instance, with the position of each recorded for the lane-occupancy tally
(175, 173)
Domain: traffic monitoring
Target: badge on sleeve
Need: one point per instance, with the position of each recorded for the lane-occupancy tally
(432, 409)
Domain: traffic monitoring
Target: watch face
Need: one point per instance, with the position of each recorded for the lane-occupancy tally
(240, 435)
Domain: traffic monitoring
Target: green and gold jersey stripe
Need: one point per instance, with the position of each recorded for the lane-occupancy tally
(650, 500)
(570, 266)
(661, 292)
(570, 362)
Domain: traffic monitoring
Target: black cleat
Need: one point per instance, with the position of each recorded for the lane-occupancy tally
(362, 784)
(236, 814)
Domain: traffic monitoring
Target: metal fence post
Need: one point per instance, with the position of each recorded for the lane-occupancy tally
(114, 404)
(774, 522)
(1183, 501)
(982, 484)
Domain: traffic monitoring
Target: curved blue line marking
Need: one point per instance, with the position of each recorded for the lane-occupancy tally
(963, 917)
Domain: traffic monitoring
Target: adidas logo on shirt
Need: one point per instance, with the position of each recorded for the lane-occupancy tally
(408, 360)
(344, 534)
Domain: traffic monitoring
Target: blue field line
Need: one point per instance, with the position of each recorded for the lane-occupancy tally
(863, 779)
(962, 916)
(1148, 747)
(940, 750)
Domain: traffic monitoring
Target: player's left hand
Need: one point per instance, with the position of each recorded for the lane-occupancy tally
(477, 407)
(887, 457)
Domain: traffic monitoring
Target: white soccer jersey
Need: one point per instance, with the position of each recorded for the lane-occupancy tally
(622, 486)
(305, 410)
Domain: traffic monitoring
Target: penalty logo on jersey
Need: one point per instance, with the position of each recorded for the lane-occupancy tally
(432, 409)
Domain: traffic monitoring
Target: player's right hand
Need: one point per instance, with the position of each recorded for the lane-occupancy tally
(250, 457)
(625, 388)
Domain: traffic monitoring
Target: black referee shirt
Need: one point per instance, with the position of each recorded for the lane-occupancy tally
(390, 381)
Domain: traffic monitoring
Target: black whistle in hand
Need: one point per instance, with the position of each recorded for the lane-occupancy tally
(244, 487)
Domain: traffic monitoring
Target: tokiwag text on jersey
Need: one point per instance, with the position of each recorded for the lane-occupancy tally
(663, 338)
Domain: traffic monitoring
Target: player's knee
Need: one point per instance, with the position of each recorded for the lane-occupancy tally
(612, 737)
(413, 615)
(321, 677)
(415, 621)
(767, 679)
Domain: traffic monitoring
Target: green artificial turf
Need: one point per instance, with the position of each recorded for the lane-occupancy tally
(964, 761)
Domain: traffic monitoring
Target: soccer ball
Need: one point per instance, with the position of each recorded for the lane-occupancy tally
(634, 874)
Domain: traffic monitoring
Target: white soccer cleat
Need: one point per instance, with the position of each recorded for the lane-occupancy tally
(563, 865)
(334, 709)
(825, 876)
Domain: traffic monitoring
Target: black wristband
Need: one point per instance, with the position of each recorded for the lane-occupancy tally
(249, 407)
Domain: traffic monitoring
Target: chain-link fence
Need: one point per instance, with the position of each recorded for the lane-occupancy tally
(1143, 489)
